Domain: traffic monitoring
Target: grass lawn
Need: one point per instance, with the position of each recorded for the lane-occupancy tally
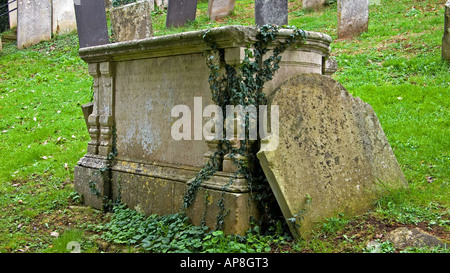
(395, 66)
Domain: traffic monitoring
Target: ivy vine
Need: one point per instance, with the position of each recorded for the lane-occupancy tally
(243, 85)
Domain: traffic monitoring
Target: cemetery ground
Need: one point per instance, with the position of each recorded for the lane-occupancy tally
(396, 67)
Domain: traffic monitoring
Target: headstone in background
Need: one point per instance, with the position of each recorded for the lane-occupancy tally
(91, 22)
(64, 20)
(132, 21)
(34, 22)
(162, 4)
(12, 15)
(314, 4)
(330, 155)
(180, 12)
(446, 38)
(274, 12)
(220, 8)
(353, 17)
(330, 67)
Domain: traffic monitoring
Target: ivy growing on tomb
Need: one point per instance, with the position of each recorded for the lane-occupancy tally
(243, 85)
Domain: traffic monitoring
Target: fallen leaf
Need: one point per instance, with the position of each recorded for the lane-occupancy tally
(54, 234)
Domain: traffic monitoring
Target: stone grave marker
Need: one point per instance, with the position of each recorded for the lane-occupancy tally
(331, 155)
(132, 21)
(314, 4)
(274, 12)
(353, 17)
(64, 20)
(12, 15)
(91, 22)
(161, 3)
(220, 8)
(330, 67)
(34, 22)
(446, 38)
(180, 12)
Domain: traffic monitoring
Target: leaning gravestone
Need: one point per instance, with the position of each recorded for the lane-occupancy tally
(220, 8)
(180, 12)
(353, 17)
(274, 12)
(64, 20)
(34, 22)
(331, 155)
(446, 38)
(91, 22)
(314, 4)
(132, 21)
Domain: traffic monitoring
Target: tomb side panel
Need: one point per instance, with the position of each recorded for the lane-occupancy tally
(146, 92)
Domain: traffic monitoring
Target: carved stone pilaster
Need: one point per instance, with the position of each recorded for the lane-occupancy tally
(106, 109)
(93, 119)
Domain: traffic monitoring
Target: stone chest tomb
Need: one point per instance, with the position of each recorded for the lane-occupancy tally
(132, 154)
(136, 84)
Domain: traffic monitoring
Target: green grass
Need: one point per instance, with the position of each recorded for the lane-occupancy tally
(395, 67)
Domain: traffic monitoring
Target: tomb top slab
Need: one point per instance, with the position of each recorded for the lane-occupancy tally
(192, 42)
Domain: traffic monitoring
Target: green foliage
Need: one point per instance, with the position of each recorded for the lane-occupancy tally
(333, 224)
(408, 213)
(380, 247)
(170, 233)
(72, 240)
(174, 233)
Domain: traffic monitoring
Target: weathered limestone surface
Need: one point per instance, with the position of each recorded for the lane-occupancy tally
(136, 85)
(132, 21)
(12, 15)
(63, 16)
(332, 157)
(353, 17)
(331, 66)
(161, 3)
(271, 12)
(404, 237)
(446, 38)
(220, 8)
(34, 22)
(314, 4)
